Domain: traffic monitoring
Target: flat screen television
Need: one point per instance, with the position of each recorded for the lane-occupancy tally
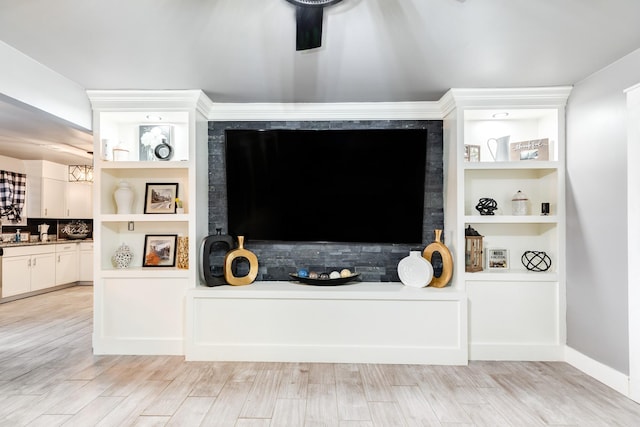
(326, 185)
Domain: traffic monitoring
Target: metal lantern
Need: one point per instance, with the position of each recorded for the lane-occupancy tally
(472, 250)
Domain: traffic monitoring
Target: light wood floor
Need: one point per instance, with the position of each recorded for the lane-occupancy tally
(49, 377)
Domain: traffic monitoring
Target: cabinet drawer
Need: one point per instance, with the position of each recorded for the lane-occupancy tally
(86, 246)
(28, 250)
(66, 247)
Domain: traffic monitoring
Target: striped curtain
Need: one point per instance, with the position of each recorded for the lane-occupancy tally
(13, 190)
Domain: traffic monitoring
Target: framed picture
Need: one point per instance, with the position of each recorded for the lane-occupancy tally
(471, 153)
(155, 142)
(160, 250)
(536, 149)
(497, 259)
(160, 198)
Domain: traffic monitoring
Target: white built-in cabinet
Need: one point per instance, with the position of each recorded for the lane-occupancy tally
(50, 195)
(141, 310)
(514, 313)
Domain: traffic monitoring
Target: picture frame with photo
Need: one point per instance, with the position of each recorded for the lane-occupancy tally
(160, 198)
(471, 153)
(497, 259)
(160, 250)
(155, 142)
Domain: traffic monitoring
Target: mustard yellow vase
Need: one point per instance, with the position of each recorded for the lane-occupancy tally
(447, 261)
(240, 252)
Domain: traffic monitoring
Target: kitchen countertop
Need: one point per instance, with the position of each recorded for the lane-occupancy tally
(51, 242)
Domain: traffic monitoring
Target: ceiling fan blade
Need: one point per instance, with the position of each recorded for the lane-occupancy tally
(308, 27)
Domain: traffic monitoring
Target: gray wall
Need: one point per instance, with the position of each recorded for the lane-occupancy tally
(597, 303)
(376, 263)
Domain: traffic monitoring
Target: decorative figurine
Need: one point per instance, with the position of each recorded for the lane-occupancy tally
(486, 206)
(536, 261)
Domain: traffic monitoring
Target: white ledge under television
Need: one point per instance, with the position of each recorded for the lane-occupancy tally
(362, 322)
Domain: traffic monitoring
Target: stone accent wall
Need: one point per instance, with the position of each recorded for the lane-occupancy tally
(374, 262)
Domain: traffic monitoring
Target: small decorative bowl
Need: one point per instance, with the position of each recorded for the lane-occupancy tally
(77, 236)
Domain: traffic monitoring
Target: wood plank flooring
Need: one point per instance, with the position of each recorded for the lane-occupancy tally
(49, 377)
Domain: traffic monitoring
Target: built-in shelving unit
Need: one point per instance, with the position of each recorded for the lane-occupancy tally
(140, 310)
(513, 313)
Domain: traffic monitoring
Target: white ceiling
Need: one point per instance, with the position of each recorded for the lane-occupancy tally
(373, 50)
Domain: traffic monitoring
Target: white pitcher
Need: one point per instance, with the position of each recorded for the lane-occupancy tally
(501, 151)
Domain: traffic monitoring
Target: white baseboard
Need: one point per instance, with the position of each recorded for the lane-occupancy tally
(603, 373)
(138, 346)
(520, 352)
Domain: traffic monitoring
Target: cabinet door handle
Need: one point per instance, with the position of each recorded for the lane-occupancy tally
(34, 261)
(45, 211)
(58, 258)
(67, 212)
(29, 263)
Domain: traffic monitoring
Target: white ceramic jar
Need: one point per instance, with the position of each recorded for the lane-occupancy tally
(124, 198)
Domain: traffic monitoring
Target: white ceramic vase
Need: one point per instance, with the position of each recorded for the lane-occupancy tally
(123, 256)
(124, 198)
(415, 271)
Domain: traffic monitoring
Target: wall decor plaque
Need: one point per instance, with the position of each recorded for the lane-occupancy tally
(535, 149)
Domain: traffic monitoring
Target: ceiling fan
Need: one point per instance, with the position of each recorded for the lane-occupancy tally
(309, 22)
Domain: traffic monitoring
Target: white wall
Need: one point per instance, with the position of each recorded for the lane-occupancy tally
(32, 83)
(12, 165)
(597, 302)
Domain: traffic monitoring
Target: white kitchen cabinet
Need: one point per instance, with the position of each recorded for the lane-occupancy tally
(79, 200)
(46, 189)
(86, 262)
(27, 268)
(66, 263)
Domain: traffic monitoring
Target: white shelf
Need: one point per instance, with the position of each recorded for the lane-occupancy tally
(512, 276)
(356, 290)
(145, 272)
(144, 217)
(145, 165)
(510, 219)
(522, 165)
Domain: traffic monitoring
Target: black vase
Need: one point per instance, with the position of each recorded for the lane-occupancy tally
(212, 253)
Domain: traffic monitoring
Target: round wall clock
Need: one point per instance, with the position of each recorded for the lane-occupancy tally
(163, 151)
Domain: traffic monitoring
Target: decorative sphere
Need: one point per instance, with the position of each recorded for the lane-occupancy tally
(334, 275)
(303, 273)
(345, 272)
(323, 276)
(313, 275)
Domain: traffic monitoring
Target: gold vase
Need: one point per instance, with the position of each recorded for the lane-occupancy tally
(240, 252)
(447, 261)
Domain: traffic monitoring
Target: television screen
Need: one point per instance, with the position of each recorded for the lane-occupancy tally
(326, 185)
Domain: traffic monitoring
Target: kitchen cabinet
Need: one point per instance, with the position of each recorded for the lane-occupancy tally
(79, 200)
(66, 263)
(86, 262)
(27, 268)
(50, 195)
